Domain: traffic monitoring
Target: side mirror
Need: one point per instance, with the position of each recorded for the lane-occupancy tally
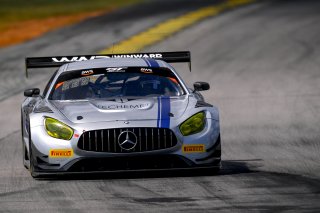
(201, 86)
(32, 92)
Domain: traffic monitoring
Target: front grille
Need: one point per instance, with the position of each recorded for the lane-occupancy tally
(147, 139)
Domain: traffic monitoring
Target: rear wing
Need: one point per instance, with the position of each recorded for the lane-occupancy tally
(57, 61)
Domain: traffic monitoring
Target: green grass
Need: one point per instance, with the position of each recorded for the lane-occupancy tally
(12, 11)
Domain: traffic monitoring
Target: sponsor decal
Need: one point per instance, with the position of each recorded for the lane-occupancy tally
(87, 72)
(86, 58)
(146, 70)
(123, 106)
(76, 58)
(115, 69)
(195, 148)
(138, 56)
(61, 153)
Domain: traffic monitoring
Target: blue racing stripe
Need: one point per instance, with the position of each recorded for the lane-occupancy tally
(148, 63)
(165, 111)
(153, 63)
(158, 119)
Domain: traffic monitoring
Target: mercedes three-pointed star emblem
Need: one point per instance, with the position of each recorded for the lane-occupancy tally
(127, 140)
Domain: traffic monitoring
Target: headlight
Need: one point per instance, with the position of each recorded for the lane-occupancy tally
(194, 124)
(58, 129)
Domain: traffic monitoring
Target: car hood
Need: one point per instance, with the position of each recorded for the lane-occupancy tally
(126, 109)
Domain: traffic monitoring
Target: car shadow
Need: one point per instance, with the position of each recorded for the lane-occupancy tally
(232, 167)
(229, 167)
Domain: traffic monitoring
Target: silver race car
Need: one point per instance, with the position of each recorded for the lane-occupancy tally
(117, 112)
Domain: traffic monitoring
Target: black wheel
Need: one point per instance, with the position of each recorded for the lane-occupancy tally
(24, 149)
(24, 156)
(31, 159)
(31, 169)
(216, 165)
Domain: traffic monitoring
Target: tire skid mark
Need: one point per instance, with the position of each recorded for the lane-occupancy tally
(9, 135)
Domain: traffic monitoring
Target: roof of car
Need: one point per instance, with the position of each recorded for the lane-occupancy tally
(114, 62)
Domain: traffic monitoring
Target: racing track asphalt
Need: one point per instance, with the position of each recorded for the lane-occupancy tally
(262, 62)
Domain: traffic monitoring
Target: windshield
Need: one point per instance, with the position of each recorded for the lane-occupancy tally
(112, 82)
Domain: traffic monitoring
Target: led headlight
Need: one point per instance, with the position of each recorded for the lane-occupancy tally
(194, 124)
(58, 129)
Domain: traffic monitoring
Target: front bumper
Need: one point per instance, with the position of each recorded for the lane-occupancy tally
(130, 163)
(90, 161)
(120, 165)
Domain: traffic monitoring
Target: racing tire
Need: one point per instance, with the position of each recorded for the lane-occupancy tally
(31, 167)
(216, 166)
(24, 152)
(24, 149)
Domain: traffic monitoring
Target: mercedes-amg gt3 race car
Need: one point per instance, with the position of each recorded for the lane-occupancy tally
(117, 112)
